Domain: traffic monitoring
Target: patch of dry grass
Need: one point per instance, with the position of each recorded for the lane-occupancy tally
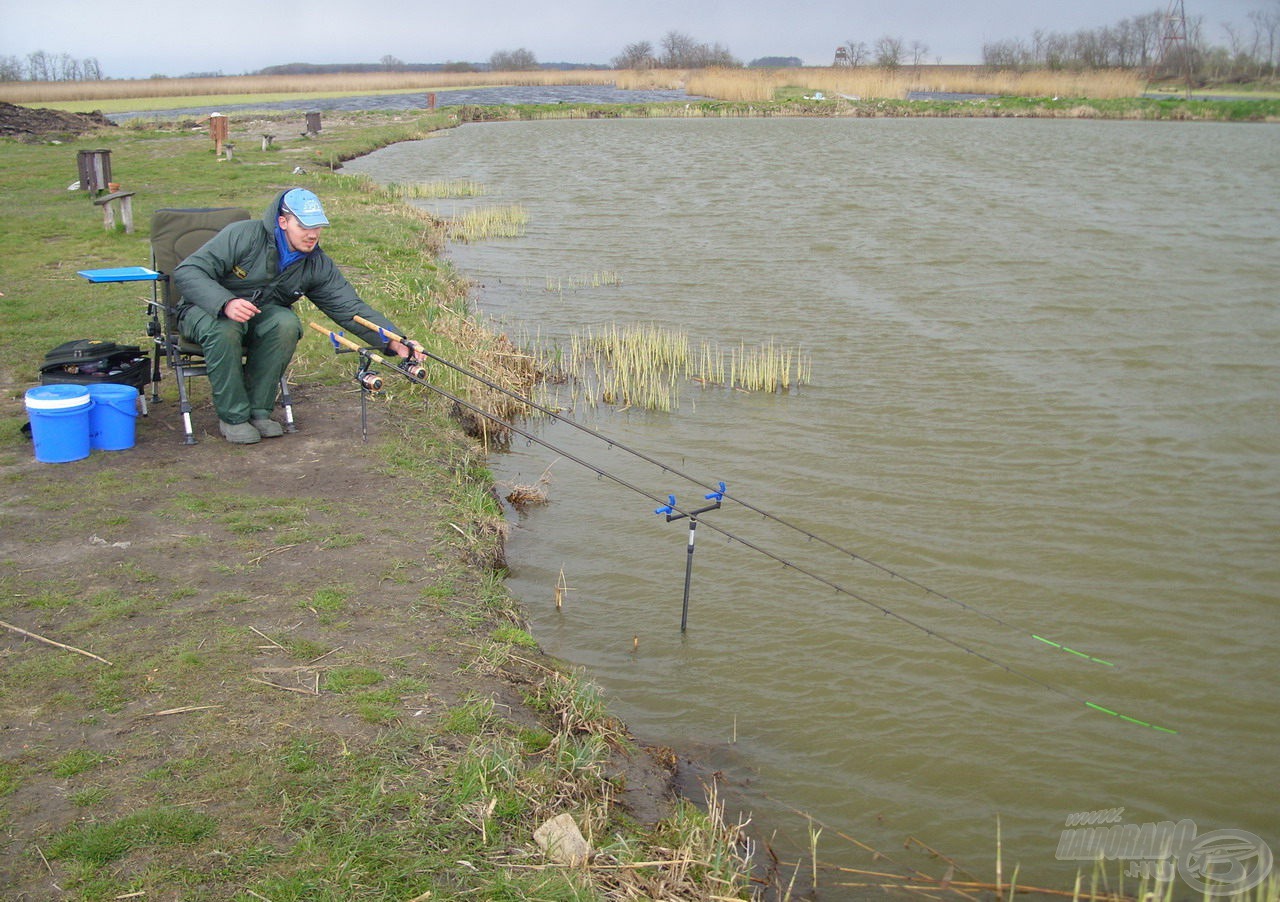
(721, 84)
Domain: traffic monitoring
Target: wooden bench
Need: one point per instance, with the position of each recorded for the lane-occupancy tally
(109, 202)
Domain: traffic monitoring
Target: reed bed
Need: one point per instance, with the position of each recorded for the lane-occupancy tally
(601, 279)
(335, 83)
(488, 222)
(437, 190)
(643, 365)
(867, 83)
(719, 84)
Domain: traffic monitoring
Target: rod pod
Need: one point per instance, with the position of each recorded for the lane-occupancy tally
(669, 510)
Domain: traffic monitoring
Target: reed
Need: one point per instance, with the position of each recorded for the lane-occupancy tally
(642, 365)
(488, 222)
(720, 84)
(867, 83)
(331, 84)
(435, 190)
(600, 279)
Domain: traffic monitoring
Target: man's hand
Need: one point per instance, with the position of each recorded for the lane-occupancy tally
(400, 349)
(239, 310)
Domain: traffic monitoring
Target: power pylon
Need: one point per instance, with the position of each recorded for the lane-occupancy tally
(1173, 41)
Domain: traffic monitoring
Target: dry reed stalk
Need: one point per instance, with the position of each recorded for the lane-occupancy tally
(184, 710)
(47, 641)
(874, 83)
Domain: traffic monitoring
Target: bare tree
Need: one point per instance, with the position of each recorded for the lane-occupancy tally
(521, 60)
(919, 50)
(889, 52)
(679, 51)
(636, 56)
(68, 68)
(11, 68)
(39, 66)
(858, 52)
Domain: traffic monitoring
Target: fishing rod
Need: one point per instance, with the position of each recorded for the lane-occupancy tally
(669, 507)
(386, 335)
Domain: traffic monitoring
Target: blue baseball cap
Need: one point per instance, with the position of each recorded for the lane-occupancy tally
(305, 207)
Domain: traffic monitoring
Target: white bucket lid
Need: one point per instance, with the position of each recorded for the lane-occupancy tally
(57, 397)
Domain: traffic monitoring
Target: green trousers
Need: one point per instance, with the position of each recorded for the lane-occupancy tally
(245, 361)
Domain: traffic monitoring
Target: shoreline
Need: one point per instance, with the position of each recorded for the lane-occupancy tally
(315, 678)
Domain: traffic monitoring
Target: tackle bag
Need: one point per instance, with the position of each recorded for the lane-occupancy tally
(92, 361)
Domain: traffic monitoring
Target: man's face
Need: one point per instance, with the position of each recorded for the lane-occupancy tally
(300, 237)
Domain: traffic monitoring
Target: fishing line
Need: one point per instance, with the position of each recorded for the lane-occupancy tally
(339, 341)
(675, 471)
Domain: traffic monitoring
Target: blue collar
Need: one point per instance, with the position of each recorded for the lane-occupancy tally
(288, 256)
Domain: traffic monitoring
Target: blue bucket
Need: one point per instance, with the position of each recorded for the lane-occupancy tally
(113, 418)
(59, 422)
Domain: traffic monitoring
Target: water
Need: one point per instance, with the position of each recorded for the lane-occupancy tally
(1046, 362)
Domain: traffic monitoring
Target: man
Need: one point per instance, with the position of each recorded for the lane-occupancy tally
(238, 292)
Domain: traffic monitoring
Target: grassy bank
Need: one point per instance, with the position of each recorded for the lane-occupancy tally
(289, 672)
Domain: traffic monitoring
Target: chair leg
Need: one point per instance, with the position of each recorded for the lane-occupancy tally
(155, 376)
(286, 401)
(184, 405)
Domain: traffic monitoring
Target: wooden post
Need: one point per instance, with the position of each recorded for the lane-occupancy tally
(431, 100)
(313, 122)
(218, 128)
(95, 170)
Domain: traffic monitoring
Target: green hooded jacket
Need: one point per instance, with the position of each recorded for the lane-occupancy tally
(242, 260)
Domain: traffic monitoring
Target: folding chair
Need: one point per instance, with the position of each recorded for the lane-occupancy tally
(175, 235)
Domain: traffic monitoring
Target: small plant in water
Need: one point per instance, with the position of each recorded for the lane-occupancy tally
(641, 365)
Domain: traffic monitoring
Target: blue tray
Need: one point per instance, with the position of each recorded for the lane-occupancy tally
(120, 274)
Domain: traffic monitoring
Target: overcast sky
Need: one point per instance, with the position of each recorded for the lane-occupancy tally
(140, 38)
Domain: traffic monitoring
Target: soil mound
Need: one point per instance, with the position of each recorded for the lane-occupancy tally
(26, 123)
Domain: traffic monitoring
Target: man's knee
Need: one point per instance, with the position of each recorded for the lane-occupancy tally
(279, 325)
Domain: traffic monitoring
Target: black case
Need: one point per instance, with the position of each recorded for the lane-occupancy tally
(88, 361)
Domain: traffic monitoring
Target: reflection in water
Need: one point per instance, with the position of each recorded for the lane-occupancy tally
(1045, 357)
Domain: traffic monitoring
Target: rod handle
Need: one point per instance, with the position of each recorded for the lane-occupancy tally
(339, 339)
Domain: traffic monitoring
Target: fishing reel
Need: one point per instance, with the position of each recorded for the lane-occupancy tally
(412, 368)
(366, 378)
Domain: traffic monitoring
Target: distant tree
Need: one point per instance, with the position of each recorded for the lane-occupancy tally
(857, 52)
(39, 66)
(919, 50)
(679, 51)
(636, 56)
(889, 52)
(453, 66)
(67, 68)
(521, 60)
(1003, 55)
(11, 68)
(1251, 50)
(391, 62)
